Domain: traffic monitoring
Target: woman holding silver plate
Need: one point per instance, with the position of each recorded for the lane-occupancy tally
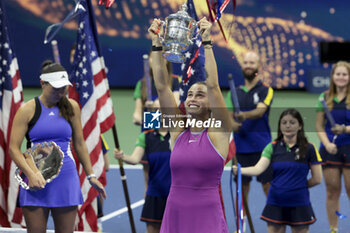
(51, 117)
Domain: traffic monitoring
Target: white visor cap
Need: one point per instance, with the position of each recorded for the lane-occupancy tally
(56, 79)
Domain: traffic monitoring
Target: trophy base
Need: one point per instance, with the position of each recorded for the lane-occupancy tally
(174, 57)
(174, 53)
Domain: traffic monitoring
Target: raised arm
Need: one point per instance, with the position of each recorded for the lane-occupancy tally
(167, 100)
(216, 100)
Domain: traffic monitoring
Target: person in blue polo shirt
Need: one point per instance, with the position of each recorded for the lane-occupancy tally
(142, 104)
(291, 157)
(335, 139)
(255, 99)
(154, 145)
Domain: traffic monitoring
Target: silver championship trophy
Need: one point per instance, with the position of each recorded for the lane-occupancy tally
(47, 157)
(178, 35)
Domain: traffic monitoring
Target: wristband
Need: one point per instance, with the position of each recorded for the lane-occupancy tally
(207, 42)
(92, 175)
(157, 48)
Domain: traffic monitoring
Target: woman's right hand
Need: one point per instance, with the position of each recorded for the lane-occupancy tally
(36, 181)
(205, 28)
(331, 148)
(118, 154)
(155, 29)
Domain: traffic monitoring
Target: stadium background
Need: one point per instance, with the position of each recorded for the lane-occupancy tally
(286, 34)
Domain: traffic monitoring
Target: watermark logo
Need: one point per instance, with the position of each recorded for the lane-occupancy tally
(151, 120)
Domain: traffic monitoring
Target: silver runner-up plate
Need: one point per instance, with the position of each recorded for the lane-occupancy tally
(47, 157)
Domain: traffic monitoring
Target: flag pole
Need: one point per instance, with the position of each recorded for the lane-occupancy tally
(245, 204)
(123, 178)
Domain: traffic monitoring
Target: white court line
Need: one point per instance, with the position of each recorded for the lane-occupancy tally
(136, 204)
(122, 210)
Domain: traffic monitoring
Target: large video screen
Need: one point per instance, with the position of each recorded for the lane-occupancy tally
(285, 33)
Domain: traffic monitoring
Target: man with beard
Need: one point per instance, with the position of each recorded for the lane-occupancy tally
(255, 99)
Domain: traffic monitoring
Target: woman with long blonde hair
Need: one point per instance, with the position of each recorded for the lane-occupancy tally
(335, 138)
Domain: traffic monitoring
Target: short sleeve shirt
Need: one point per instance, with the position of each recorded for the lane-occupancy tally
(289, 184)
(255, 134)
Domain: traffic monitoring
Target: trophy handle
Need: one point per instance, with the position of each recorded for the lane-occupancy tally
(163, 25)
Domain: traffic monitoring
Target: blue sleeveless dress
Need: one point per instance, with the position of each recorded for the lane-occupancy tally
(64, 190)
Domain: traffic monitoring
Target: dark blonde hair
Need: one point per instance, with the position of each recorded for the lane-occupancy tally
(64, 106)
(332, 91)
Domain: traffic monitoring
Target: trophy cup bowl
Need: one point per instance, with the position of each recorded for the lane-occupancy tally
(178, 35)
(48, 159)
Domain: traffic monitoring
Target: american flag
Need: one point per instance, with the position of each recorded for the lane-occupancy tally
(91, 90)
(11, 98)
(193, 67)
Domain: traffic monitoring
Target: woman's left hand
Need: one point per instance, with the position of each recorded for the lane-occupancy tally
(205, 27)
(96, 184)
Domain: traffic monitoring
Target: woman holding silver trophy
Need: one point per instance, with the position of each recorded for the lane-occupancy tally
(50, 179)
(198, 153)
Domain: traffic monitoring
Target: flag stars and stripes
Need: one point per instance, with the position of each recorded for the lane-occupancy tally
(193, 68)
(90, 89)
(10, 100)
(86, 95)
(183, 66)
(181, 91)
(192, 71)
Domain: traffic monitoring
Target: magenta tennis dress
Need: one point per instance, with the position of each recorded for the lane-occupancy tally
(193, 204)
